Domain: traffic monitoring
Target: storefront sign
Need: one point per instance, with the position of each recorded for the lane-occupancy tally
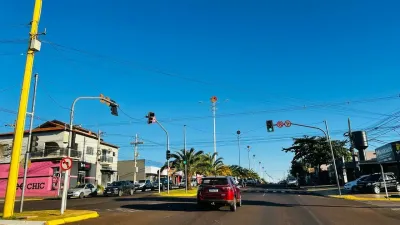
(385, 153)
(84, 166)
(32, 186)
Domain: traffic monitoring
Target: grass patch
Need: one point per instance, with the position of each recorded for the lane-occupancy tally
(47, 215)
(179, 193)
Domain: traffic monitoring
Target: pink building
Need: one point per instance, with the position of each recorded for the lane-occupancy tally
(42, 179)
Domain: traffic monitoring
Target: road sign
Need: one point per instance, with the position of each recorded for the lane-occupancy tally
(279, 124)
(288, 123)
(214, 99)
(66, 163)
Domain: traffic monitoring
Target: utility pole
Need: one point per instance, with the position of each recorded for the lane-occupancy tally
(259, 167)
(188, 179)
(214, 108)
(28, 150)
(254, 162)
(34, 45)
(135, 152)
(353, 156)
(238, 140)
(248, 154)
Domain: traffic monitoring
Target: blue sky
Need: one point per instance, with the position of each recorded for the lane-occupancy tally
(256, 56)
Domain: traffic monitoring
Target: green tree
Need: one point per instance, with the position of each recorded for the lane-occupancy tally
(208, 166)
(192, 157)
(238, 171)
(315, 151)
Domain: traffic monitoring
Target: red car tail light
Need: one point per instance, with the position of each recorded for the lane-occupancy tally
(227, 188)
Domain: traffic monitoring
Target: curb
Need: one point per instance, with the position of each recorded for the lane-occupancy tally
(352, 197)
(73, 219)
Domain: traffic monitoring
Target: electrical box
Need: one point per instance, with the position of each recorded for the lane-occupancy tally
(35, 45)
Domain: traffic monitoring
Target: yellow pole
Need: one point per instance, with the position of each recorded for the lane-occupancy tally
(19, 129)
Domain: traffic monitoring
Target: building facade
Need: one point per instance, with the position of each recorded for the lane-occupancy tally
(95, 161)
(146, 170)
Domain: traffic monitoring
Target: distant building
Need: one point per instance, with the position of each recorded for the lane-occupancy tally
(95, 161)
(146, 170)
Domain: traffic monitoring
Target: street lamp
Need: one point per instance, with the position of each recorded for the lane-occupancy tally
(113, 105)
(248, 154)
(238, 139)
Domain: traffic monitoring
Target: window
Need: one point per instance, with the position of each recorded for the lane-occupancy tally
(215, 181)
(89, 150)
(114, 154)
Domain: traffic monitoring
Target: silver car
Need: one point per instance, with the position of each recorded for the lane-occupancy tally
(82, 190)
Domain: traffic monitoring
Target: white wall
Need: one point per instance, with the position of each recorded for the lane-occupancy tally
(53, 136)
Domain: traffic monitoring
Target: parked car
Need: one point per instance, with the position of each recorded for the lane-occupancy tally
(251, 182)
(144, 185)
(220, 191)
(119, 188)
(374, 183)
(82, 190)
(352, 185)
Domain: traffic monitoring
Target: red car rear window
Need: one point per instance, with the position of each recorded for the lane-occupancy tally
(215, 181)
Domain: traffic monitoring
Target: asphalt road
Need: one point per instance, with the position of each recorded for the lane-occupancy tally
(258, 208)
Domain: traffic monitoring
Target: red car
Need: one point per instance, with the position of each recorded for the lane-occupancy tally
(220, 191)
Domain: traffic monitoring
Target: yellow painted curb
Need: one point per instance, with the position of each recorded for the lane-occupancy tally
(73, 219)
(352, 197)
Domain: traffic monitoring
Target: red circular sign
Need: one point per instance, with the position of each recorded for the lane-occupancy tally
(279, 124)
(214, 99)
(288, 123)
(66, 163)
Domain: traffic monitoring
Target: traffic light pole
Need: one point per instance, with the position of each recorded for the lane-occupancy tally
(330, 145)
(67, 173)
(184, 147)
(166, 132)
(28, 150)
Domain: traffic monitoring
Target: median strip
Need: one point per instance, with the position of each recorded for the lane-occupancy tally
(50, 217)
(356, 198)
(178, 193)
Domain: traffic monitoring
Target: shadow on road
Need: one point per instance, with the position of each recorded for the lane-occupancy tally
(189, 204)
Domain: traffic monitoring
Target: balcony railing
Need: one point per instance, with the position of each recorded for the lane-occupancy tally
(55, 153)
(106, 159)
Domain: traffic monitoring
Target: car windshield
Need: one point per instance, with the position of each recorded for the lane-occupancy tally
(215, 181)
(142, 181)
(116, 183)
(80, 186)
(373, 177)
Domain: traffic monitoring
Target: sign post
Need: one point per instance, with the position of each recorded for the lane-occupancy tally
(65, 165)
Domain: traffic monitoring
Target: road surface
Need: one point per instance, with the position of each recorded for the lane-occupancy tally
(258, 209)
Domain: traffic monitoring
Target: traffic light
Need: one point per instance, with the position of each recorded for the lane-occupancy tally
(150, 117)
(270, 126)
(34, 143)
(168, 154)
(114, 108)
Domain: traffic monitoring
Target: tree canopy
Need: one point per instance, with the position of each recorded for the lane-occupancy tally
(315, 151)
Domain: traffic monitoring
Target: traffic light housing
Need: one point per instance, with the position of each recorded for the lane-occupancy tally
(270, 126)
(114, 108)
(150, 117)
(34, 143)
(168, 154)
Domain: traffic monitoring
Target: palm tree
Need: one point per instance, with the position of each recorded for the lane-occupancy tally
(192, 158)
(210, 167)
(239, 171)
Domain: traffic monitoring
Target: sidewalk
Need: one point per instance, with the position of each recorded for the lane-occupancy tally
(49, 217)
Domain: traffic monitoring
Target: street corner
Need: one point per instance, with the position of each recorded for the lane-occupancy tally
(367, 198)
(51, 217)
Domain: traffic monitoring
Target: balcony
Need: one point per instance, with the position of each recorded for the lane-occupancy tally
(106, 159)
(55, 153)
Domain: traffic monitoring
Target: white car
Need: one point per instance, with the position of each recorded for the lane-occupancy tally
(82, 190)
(352, 185)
